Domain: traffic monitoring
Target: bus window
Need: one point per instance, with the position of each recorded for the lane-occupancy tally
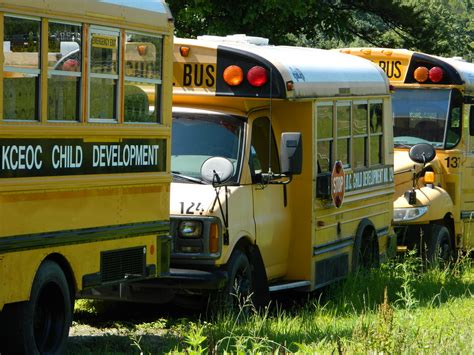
(142, 89)
(259, 153)
(359, 131)
(376, 132)
(325, 136)
(343, 118)
(420, 116)
(453, 132)
(197, 137)
(64, 79)
(21, 68)
(103, 74)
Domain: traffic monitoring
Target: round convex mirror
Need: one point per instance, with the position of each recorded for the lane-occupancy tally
(422, 153)
(217, 170)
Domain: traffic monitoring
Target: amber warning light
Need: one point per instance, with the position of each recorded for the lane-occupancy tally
(184, 51)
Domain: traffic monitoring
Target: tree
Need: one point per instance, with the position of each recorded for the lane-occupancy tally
(443, 27)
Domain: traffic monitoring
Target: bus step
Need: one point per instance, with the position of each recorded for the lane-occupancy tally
(288, 285)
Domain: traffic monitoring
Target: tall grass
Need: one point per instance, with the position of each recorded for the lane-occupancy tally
(401, 307)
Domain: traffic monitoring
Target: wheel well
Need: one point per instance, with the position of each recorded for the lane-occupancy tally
(364, 229)
(367, 231)
(448, 221)
(244, 244)
(68, 273)
(261, 295)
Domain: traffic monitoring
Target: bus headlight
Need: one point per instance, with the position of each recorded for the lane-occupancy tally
(408, 214)
(190, 229)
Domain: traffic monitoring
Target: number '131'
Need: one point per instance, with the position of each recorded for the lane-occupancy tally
(452, 162)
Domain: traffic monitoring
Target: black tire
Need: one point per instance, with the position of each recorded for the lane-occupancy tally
(365, 254)
(41, 325)
(439, 249)
(239, 283)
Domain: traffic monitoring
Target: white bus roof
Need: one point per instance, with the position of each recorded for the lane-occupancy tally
(314, 72)
(466, 72)
(152, 13)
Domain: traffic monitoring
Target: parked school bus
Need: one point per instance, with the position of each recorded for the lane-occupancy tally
(84, 158)
(283, 167)
(433, 108)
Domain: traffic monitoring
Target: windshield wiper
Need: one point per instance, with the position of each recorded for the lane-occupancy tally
(178, 175)
(402, 145)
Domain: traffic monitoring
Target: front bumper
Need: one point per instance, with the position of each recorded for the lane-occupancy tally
(189, 279)
(159, 290)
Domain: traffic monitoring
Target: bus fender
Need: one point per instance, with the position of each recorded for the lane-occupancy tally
(437, 200)
(363, 228)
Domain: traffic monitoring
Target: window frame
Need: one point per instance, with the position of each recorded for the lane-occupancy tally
(273, 159)
(329, 139)
(36, 73)
(79, 74)
(157, 82)
(365, 135)
(348, 138)
(376, 134)
(107, 31)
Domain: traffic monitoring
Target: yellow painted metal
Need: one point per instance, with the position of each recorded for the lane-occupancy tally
(285, 235)
(35, 205)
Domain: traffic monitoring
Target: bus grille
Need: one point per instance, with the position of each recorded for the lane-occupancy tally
(122, 264)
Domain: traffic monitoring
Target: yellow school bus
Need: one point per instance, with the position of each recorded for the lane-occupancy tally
(433, 102)
(283, 167)
(84, 158)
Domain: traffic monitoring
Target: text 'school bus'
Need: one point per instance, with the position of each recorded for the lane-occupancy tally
(433, 107)
(84, 157)
(283, 167)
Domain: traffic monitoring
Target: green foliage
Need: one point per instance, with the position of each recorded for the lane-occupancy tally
(400, 308)
(442, 27)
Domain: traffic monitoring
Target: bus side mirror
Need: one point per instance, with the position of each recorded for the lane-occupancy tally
(471, 121)
(422, 153)
(291, 153)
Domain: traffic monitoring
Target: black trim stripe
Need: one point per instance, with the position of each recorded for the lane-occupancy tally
(333, 245)
(343, 242)
(81, 236)
(450, 77)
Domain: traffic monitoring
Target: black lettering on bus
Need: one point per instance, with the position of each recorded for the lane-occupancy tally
(392, 69)
(382, 65)
(187, 74)
(211, 79)
(398, 72)
(198, 74)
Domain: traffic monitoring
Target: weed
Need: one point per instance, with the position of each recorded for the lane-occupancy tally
(399, 308)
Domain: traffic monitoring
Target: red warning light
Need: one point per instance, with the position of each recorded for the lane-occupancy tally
(436, 74)
(257, 76)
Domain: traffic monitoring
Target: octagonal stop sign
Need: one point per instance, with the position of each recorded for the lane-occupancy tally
(338, 184)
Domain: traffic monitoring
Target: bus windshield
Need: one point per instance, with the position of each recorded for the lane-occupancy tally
(197, 137)
(420, 116)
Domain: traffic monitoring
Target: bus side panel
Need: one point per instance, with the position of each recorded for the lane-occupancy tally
(336, 229)
(64, 210)
(296, 117)
(81, 218)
